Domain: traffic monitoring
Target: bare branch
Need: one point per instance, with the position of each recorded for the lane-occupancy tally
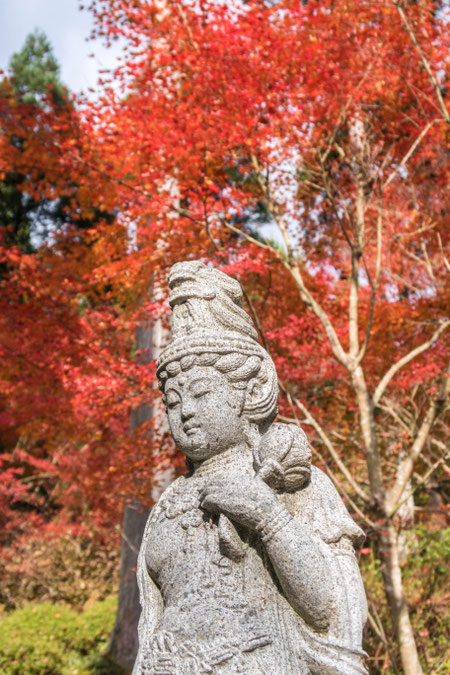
(345, 108)
(389, 408)
(320, 313)
(374, 282)
(393, 370)
(422, 481)
(415, 233)
(309, 419)
(187, 26)
(411, 150)
(129, 543)
(377, 626)
(353, 309)
(425, 63)
(419, 261)
(427, 262)
(402, 281)
(446, 262)
(273, 209)
(332, 201)
(255, 318)
(249, 237)
(217, 246)
(293, 267)
(406, 468)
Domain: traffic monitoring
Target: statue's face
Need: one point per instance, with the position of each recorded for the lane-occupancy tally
(204, 412)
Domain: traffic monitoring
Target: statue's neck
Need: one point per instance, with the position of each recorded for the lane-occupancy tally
(237, 459)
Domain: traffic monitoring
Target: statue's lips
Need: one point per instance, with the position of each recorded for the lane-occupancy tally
(189, 430)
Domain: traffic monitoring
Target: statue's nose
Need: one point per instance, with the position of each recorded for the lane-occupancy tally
(187, 409)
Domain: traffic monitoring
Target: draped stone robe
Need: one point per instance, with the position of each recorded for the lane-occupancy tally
(204, 612)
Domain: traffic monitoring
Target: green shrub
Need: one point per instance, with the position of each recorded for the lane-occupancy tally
(54, 639)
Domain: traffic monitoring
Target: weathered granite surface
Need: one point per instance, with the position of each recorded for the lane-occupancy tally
(247, 563)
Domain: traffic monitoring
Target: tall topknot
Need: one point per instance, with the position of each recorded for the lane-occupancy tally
(206, 299)
(208, 319)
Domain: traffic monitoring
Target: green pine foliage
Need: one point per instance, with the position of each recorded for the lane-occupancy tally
(35, 81)
(36, 71)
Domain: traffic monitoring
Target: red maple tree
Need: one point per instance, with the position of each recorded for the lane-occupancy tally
(300, 147)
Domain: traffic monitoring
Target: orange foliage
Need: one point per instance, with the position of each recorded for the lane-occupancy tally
(319, 117)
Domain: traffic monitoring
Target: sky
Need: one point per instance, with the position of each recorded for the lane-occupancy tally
(66, 27)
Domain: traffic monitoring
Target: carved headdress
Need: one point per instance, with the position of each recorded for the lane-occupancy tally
(207, 318)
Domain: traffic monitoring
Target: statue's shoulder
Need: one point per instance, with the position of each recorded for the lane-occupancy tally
(319, 481)
(318, 488)
(170, 494)
(159, 509)
(320, 508)
(174, 488)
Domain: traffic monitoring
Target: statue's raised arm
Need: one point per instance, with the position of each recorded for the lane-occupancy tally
(247, 564)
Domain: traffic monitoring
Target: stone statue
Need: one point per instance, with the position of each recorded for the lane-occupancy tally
(247, 564)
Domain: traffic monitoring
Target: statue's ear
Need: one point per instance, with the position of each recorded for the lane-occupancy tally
(256, 392)
(260, 404)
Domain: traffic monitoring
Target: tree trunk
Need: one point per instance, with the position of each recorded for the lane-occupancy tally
(123, 645)
(124, 638)
(392, 544)
(397, 602)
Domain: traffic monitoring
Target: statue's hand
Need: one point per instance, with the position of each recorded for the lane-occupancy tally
(245, 500)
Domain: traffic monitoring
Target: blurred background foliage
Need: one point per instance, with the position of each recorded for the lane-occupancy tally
(58, 585)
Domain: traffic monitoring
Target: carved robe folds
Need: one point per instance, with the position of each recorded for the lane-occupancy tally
(212, 614)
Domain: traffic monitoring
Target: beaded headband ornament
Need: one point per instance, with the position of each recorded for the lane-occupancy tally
(207, 317)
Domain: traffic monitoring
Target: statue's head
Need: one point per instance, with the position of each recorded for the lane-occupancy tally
(219, 385)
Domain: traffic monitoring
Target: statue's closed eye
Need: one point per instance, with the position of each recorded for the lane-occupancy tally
(172, 399)
(200, 388)
(198, 392)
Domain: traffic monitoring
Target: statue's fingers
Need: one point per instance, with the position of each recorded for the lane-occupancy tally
(213, 485)
(160, 646)
(210, 488)
(168, 642)
(209, 503)
(204, 493)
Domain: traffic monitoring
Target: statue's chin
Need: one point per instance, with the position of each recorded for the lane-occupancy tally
(199, 452)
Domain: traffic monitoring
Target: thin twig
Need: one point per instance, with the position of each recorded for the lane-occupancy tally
(423, 480)
(446, 262)
(377, 626)
(133, 548)
(328, 444)
(393, 370)
(411, 150)
(187, 26)
(373, 283)
(425, 63)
